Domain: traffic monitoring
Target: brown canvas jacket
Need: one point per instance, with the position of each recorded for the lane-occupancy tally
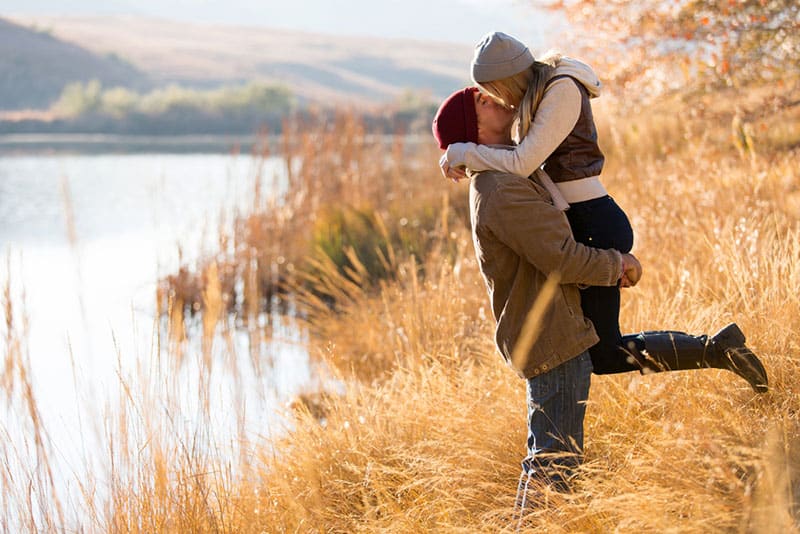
(520, 238)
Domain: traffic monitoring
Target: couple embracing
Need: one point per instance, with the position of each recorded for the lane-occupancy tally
(526, 139)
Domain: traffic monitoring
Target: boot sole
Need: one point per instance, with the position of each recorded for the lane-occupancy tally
(745, 364)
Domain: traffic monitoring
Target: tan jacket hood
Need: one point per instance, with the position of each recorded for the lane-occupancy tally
(580, 71)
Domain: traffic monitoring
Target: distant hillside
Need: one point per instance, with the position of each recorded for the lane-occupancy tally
(315, 67)
(35, 66)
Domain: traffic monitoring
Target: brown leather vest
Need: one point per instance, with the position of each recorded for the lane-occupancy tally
(579, 155)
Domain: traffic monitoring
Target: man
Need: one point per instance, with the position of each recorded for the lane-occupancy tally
(520, 240)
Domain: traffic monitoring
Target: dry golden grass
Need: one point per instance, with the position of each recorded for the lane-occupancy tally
(423, 427)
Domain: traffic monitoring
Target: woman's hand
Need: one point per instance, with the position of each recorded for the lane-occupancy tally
(456, 174)
(631, 271)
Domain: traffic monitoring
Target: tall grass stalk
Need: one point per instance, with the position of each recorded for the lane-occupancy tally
(28, 486)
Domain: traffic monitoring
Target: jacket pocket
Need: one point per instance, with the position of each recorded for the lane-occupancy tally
(565, 299)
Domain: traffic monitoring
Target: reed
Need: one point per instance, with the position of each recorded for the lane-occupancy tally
(30, 498)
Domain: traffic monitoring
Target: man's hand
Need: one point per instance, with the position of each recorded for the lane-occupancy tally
(631, 271)
(455, 174)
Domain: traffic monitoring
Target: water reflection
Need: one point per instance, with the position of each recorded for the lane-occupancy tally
(86, 239)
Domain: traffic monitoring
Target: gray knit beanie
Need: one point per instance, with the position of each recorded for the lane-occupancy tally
(499, 56)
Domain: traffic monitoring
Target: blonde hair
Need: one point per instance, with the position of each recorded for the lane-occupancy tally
(523, 91)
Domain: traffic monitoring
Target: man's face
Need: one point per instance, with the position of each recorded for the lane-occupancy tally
(494, 121)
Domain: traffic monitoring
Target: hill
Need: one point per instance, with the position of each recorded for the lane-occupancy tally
(35, 66)
(315, 67)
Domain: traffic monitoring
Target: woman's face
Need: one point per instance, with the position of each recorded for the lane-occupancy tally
(494, 121)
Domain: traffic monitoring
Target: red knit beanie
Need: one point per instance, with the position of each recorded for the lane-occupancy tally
(456, 120)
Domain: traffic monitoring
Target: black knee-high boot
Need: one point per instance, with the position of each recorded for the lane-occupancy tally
(674, 351)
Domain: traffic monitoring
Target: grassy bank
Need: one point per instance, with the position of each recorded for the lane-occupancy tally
(422, 427)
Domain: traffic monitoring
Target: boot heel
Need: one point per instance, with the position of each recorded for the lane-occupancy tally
(736, 357)
(730, 336)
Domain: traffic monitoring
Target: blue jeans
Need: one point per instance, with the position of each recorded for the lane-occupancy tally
(556, 408)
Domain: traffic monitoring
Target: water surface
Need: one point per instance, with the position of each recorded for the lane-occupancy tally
(85, 239)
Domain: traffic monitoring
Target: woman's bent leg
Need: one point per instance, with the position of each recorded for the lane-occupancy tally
(601, 223)
(601, 306)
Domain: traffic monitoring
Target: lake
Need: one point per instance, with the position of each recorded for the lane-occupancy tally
(84, 239)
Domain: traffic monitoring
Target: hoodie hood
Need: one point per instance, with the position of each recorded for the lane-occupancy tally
(581, 72)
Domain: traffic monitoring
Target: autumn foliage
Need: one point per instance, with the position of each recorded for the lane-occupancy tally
(667, 45)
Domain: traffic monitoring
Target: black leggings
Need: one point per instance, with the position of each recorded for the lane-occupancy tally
(601, 223)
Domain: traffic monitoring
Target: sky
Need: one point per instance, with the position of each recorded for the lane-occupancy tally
(462, 21)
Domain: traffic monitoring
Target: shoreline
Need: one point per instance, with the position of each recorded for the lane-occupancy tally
(33, 144)
(100, 143)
